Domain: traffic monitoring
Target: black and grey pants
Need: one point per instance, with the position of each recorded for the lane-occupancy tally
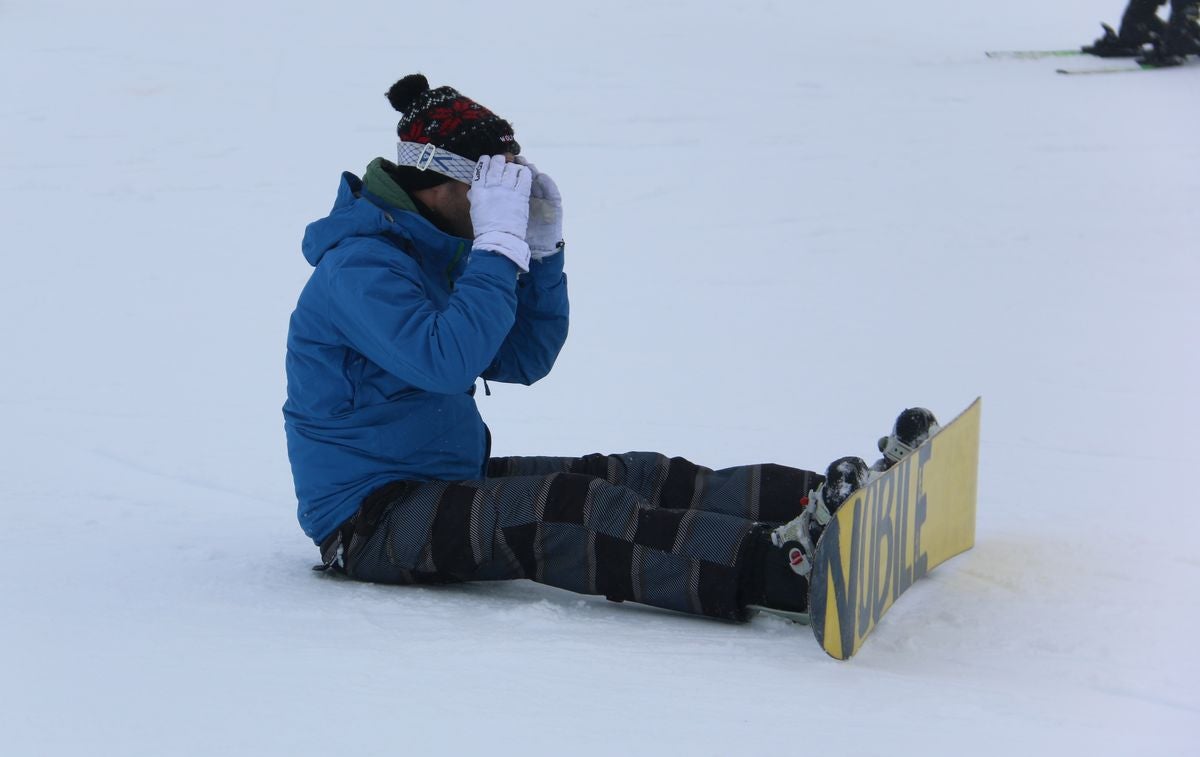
(640, 526)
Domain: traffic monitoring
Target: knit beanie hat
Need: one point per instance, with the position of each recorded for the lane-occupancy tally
(447, 119)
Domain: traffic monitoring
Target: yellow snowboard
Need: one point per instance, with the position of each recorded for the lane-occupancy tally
(891, 532)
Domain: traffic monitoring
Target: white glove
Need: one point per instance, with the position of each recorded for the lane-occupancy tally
(545, 214)
(499, 197)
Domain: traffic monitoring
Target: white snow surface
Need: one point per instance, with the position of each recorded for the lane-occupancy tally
(786, 222)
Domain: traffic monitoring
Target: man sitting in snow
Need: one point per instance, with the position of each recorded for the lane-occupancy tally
(446, 267)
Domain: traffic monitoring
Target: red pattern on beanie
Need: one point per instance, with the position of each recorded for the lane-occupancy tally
(446, 120)
(441, 122)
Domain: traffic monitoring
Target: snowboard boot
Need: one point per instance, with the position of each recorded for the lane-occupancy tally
(786, 551)
(913, 426)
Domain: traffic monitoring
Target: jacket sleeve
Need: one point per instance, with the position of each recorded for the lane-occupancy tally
(379, 305)
(540, 330)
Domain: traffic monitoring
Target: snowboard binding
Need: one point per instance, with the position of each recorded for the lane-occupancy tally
(912, 428)
(798, 538)
(787, 561)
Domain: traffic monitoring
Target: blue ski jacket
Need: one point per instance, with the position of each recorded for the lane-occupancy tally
(394, 326)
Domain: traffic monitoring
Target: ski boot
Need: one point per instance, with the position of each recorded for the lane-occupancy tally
(1160, 55)
(785, 559)
(1140, 25)
(1180, 39)
(1112, 46)
(913, 426)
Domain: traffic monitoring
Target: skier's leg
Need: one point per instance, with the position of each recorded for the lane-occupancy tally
(1141, 23)
(569, 530)
(768, 492)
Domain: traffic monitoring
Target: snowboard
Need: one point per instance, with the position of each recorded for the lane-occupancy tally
(894, 530)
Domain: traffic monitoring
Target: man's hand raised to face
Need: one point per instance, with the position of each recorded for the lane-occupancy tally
(545, 214)
(499, 197)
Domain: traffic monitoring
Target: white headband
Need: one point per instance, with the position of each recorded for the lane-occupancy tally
(430, 157)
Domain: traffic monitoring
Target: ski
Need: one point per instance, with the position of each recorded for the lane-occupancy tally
(891, 532)
(1134, 69)
(1034, 54)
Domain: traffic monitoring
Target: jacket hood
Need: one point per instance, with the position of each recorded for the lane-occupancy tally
(350, 217)
(375, 206)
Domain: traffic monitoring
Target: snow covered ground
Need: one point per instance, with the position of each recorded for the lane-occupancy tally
(786, 222)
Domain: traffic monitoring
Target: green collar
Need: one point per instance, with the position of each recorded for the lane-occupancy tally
(377, 182)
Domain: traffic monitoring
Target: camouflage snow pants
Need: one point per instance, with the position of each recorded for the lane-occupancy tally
(640, 526)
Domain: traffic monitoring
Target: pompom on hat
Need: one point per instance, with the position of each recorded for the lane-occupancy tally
(443, 118)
